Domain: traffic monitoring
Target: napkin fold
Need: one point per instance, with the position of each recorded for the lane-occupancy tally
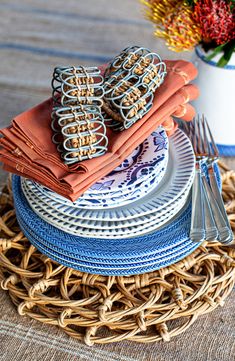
(27, 148)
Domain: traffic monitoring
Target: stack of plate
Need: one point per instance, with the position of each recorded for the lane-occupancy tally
(134, 220)
(133, 179)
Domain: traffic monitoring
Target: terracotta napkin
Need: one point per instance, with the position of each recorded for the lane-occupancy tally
(27, 148)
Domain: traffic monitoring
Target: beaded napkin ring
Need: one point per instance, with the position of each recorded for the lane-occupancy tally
(130, 82)
(77, 122)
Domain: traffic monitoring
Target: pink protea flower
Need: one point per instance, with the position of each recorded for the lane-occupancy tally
(216, 20)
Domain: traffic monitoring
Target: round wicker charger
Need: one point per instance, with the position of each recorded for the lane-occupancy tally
(97, 309)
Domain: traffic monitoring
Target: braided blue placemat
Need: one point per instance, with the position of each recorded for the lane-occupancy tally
(118, 271)
(106, 263)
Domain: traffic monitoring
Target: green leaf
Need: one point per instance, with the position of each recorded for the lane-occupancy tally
(228, 51)
(216, 51)
(222, 62)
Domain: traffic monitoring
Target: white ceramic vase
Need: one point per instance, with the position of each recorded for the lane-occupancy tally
(217, 99)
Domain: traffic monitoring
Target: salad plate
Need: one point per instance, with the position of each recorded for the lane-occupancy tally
(147, 161)
(97, 202)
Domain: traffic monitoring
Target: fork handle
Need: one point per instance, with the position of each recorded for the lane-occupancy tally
(223, 230)
(210, 225)
(197, 231)
(217, 194)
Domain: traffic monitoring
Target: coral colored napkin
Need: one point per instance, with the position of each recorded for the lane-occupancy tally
(27, 149)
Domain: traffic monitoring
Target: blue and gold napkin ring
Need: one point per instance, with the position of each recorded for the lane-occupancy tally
(77, 122)
(130, 82)
(75, 86)
(83, 131)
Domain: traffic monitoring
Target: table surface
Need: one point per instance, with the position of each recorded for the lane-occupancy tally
(36, 36)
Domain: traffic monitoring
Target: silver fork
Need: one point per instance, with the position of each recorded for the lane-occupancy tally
(203, 200)
(203, 225)
(213, 156)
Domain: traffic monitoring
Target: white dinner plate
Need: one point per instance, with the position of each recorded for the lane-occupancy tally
(71, 226)
(40, 199)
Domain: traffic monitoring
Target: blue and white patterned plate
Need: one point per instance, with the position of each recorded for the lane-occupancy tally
(98, 201)
(148, 161)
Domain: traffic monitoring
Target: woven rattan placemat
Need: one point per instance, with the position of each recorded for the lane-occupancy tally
(96, 309)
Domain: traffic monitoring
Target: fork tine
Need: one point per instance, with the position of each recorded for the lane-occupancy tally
(194, 131)
(211, 141)
(198, 135)
(205, 137)
(187, 126)
(192, 135)
(183, 125)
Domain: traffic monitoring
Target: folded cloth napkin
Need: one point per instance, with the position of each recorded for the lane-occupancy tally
(27, 148)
